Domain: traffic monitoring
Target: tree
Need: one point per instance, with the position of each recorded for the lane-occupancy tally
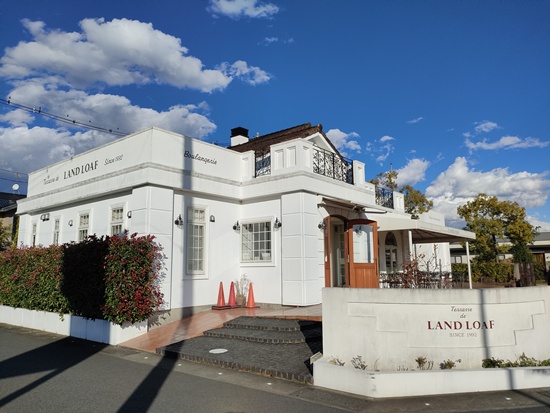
(387, 179)
(5, 236)
(491, 220)
(416, 202)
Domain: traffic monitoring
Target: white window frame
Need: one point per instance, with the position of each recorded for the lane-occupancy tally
(34, 234)
(256, 249)
(56, 230)
(116, 222)
(83, 226)
(195, 240)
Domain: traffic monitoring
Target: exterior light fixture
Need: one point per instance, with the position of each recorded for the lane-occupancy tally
(212, 218)
(277, 223)
(322, 225)
(236, 227)
(70, 223)
(179, 220)
(45, 217)
(129, 214)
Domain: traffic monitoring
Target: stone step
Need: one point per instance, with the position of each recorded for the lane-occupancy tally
(268, 346)
(258, 336)
(266, 323)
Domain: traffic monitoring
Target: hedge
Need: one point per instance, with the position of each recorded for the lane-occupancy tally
(110, 278)
(494, 271)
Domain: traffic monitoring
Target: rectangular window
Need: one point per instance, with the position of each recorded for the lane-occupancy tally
(196, 234)
(83, 226)
(117, 221)
(456, 260)
(33, 235)
(56, 232)
(256, 241)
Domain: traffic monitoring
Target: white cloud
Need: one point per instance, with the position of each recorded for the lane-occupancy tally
(381, 149)
(507, 142)
(416, 120)
(112, 111)
(459, 184)
(485, 127)
(116, 53)
(343, 141)
(249, 74)
(17, 117)
(25, 147)
(236, 9)
(413, 172)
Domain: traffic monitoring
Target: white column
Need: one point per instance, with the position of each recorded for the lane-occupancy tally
(469, 267)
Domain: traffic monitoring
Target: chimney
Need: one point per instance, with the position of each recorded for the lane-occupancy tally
(239, 135)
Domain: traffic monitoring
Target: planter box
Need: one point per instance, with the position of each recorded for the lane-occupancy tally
(426, 382)
(94, 330)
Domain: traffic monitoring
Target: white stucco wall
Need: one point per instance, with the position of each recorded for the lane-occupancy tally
(390, 328)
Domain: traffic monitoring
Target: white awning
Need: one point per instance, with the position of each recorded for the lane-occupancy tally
(423, 232)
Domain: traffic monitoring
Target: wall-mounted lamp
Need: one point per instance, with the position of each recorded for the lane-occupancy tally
(322, 225)
(236, 227)
(45, 217)
(179, 220)
(277, 223)
(129, 214)
(212, 218)
(70, 223)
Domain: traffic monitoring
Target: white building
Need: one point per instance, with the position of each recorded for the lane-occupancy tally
(284, 208)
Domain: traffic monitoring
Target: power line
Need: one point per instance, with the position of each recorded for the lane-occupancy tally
(63, 119)
(13, 172)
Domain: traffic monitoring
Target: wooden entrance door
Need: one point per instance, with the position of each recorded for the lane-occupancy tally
(362, 244)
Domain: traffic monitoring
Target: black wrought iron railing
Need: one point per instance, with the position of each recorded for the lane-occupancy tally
(263, 162)
(333, 166)
(384, 197)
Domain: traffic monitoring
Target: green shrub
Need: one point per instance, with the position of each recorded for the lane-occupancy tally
(31, 277)
(501, 272)
(84, 276)
(113, 278)
(132, 267)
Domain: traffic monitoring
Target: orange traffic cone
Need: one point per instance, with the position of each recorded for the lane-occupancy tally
(232, 300)
(221, 300)
(250, 302)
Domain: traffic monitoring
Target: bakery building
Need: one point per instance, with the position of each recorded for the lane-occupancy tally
(285, 209)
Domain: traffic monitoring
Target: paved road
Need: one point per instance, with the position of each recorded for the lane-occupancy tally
(43, 372)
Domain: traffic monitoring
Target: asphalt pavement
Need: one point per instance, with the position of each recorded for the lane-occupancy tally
(44, 372)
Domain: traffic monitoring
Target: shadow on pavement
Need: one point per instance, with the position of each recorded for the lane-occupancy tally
(55, 357)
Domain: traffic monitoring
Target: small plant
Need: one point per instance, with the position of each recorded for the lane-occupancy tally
(423, 363)
(492, 363)
(358, 363)
(448, 364)
(525, 361)
(241, 287)
(522, 361)
(336, 361)
(402, 368)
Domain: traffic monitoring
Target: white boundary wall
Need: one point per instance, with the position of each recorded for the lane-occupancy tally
(390, 328)
(70, 325)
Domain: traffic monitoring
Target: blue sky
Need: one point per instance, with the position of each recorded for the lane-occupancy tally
(454, 95)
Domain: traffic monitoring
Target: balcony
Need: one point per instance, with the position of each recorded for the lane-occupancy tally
(288, 158)
(333, 166)
(325, 163)
(384, 197)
